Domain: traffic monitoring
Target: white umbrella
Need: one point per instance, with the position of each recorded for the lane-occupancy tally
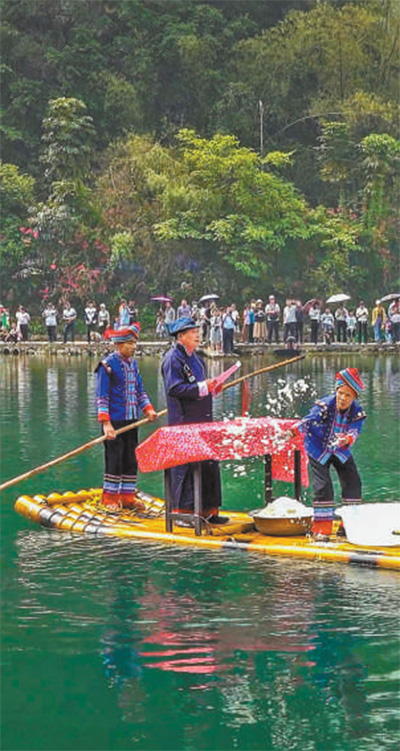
(338, 298)
(392, 296)
(208, 297)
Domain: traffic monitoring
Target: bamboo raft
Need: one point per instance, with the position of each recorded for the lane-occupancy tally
(81, 513)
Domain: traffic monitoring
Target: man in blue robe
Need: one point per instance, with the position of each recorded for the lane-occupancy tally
(189, 400)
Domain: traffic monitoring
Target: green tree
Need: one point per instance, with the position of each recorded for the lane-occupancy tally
(18, 241)
(68, 135)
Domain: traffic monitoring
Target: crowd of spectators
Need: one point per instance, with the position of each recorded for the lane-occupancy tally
(259, 322)
(267, 323)
(96, 320)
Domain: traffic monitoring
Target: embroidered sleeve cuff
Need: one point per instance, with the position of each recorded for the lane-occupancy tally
(148, 408)
(103, 417)
(203, 388)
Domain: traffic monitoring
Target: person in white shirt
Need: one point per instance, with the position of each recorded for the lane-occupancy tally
(273, 312)
(351, 323)
(314, 315)
(215, 329)
(103, 319)
(22, 316)
(340, 318)
(69, 318)
(362, 323)
(289, 319)
(184, 310)
(328, 326)
(236, 317)
(50, 320)
(90, 318)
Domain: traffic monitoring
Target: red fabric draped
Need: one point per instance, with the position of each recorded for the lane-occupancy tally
(231, 439)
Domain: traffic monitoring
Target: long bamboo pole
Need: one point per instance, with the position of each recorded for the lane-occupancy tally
(100, 439)
(262, 370)
(75, 452)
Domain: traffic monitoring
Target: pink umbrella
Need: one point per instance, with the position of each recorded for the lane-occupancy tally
(161, 298)
(311, 302)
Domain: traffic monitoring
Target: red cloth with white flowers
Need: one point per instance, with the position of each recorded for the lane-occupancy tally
(230, 439)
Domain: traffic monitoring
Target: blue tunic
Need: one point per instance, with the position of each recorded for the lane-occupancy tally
(184, 376)
(120, 393)
(320, 426)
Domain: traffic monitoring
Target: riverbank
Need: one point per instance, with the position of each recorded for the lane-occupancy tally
(157, 348)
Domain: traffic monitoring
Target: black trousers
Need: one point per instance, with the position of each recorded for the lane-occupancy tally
(349, 479)
(251, 329)
(182, 489)
(52, 333)
(362, 332)
(89, 328)
(69, 329)
(314, 330)
(341, 328)
(120, 473)
(299, 331)
(227, 338)
(23, 327)
(273, 330)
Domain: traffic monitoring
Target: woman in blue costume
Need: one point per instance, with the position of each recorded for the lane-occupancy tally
(330, 429)
(189, 400)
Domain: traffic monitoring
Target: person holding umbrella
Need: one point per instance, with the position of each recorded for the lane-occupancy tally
(341, 315)
(169, 314)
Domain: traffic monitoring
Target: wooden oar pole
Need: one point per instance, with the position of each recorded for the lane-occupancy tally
(75, 452)
(262, 370)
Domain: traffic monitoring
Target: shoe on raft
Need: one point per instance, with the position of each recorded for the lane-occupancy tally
(130, 501)
(111, 502)
(321, 530)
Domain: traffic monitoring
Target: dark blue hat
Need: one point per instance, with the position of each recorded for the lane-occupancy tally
(182, 324)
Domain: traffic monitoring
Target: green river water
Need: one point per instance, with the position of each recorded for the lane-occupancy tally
(115, 645)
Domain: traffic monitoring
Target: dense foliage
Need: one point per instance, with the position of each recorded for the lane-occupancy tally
(247, 146)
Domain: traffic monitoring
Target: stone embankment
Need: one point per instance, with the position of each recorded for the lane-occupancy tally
(157, 348)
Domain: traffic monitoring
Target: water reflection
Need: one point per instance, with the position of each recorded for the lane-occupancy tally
(226, 651)
(53, 397)
(285, 647)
